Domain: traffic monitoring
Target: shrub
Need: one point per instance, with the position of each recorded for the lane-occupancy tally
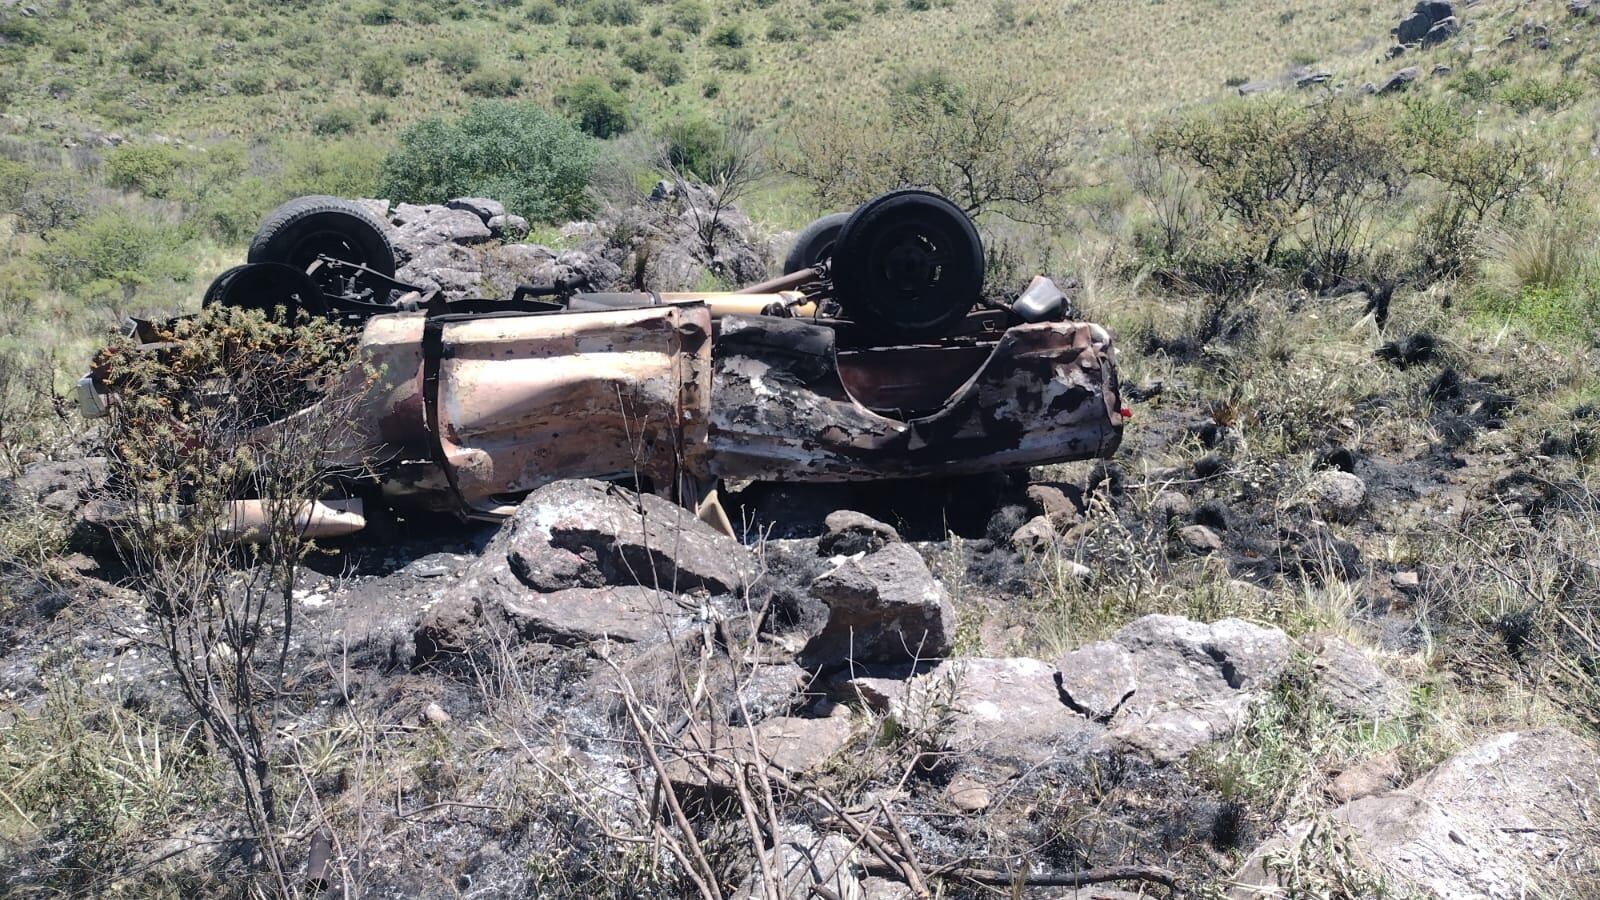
(596, 107)
(384, 13)
(1529, 94)
(656, 59)
(17, 28)
(615, 12)
(147, 168)
(732, 60)
(698, 147)
(782, 30)
(457, 57)
(542, 12)
(536, 163)
(115, 250)
(493, 83)
(984, 145)
(336, 120)
(839, 16)
(1272, 167)
(728, 34)
(381, 74)
(690, 15)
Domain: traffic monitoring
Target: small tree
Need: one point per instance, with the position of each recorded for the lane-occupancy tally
(536, 163)
(238, 408)
(990, 147)
(595, 106)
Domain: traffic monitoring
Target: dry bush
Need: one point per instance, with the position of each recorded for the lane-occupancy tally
(989, 146)
(237, 408)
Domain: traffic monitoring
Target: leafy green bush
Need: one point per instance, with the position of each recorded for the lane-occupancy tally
(1526, 95)
(698, 147)
(737, 60)
(654, 58)
(596, 107)
(115, 250)
(149, 169)
(615, 12)
(536, 163)
(17, 28)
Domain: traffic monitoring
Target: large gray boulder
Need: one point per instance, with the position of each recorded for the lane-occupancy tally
(1510, 813)
(1000, 709)
(1166, 685)
(1422, 19)
(884, 608)
(582, 561)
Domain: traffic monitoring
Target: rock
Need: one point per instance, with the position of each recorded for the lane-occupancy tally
(482, 207)
(1312, 79)
(1442, 30)
(1399, 81)
(1004, 709)
(878, 888)
(1370, 776)
(1352, 684)
(811, 866)
(1036, 537)
(794, 745)
(1338, 496)
(586, 615)
(884, 608)
(378, 208)
(1424, 17)
(1406, 582)
(508, 228)
(1513, 811)
(1254, 87)
(593, 270)
(1580, 8)
(63, 486)
(622, 538)
(509, 266)
(1199, 538)
(1169, 506)
(422, 227)
(1193, 682)
(1054, 502)
(1096, 679)
(434, 714)
(850, 532)
(968, 795)
(581, 561)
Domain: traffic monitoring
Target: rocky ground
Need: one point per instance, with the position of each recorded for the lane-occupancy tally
(1324, 627)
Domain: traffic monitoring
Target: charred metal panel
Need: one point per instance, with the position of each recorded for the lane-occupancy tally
(524, 400)
(781, 410)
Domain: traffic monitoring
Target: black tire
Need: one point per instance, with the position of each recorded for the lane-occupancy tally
(814, 243)
(299, 231)
(908, 265)
(281, 291)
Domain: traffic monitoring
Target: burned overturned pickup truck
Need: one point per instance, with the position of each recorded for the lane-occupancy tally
(872, 357)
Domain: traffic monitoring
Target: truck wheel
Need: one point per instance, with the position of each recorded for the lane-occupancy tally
(815, 243)
(282, 292)
(908, 265)
(299, 231)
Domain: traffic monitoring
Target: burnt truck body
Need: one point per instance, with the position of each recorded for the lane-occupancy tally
(476, 404)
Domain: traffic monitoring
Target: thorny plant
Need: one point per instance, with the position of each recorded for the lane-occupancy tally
(236, 407)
